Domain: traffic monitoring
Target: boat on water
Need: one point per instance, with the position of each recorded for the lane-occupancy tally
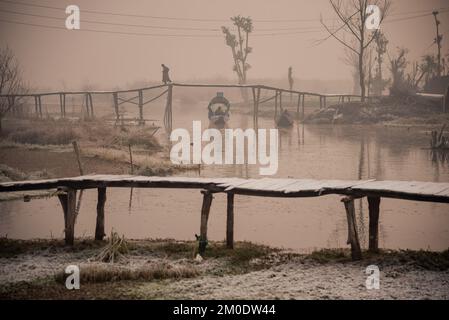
(218, 111)
(284, 120)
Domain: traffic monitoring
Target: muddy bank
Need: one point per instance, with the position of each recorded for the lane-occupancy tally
(29, 269)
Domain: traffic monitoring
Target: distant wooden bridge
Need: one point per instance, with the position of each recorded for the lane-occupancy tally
(267, 187)
(120, 97)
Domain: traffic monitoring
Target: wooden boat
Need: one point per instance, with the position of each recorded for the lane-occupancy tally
(218, 111)
(284, 120)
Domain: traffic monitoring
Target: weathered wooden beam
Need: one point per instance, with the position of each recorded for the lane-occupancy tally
(230, 221)
(373, 207)
(117, 113)
(276, 106)
(68, 203)
(141, 121)
(298, 105)
(99, 228)
(353, 239)
(303, 106)
(207, 202)
(89, 95)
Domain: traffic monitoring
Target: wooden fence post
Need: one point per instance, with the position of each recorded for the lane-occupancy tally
(230, 221)
(40, 105)
(91, 105)
(141, 107)
(68, 203)
(353, 239)
(117, 114)
(168, 119)
(99, 229)
(303, 104)
(298, 105)
(207, 202)
(86, 101)
(275, 105)
(373, 207)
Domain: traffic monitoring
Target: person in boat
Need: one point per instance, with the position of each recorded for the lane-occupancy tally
(219, 112)
(165, 76)
(219, 99)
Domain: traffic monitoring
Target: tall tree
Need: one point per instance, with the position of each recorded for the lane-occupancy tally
(10, 82)
(239, 44)
(354, 16)
(379, 83)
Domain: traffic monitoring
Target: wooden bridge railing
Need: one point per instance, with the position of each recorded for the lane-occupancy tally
(118, 98)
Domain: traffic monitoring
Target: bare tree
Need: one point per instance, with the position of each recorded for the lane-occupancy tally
(239, 45)
(354, 15)
(10, 82)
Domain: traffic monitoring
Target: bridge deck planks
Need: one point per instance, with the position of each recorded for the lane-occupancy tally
(411, 190)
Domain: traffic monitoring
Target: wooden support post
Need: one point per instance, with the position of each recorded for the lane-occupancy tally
(207, 202)
(68, 203)
(257, 107)
(36, 106)
(230, 222)
(168, 119)
(99, 229)
(298, 105)
(62, 104)
(303, 104)
(86, 101)
(91, 104)
(141, 107)
(321, 102)
(117, 114)
(353, 239)
(373, 207)
(324, 101)
(276, 106)
(280, 101)
(78, 157)
(253, 90)
(40, 105)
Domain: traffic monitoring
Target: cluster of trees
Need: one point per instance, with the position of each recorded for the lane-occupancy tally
(366, 50)
(10, 82)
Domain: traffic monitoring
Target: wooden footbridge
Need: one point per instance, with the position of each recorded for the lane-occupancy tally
(267, 187)
(139, 97)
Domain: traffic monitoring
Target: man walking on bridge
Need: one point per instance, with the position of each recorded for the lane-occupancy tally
(165, 76)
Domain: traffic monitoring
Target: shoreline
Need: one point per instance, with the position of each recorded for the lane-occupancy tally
(167, 269)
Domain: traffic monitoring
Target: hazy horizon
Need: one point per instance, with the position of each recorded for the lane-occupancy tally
(58, 59)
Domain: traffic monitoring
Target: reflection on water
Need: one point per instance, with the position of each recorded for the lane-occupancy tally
(310, 151)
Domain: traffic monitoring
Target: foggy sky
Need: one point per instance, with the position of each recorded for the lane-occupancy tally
(61, 59)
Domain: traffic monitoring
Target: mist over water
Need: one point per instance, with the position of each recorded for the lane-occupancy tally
(305, 151)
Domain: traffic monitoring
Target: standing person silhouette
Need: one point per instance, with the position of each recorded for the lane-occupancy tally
(165, 76)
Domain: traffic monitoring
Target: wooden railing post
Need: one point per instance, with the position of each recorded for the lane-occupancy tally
(91, 105)
(303, 105)
(207, 202)
(68, 203)
(230, 221)
(373, 207)
(117, 114)
(99, 229)
(353, 238)
(141, 107)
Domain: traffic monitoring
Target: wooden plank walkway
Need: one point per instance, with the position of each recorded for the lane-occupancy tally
(268, 187)
(374, 190)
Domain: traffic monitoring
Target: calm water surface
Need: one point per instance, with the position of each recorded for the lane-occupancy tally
(310, 151)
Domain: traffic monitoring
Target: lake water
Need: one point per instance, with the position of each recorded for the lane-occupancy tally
(302, 224)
